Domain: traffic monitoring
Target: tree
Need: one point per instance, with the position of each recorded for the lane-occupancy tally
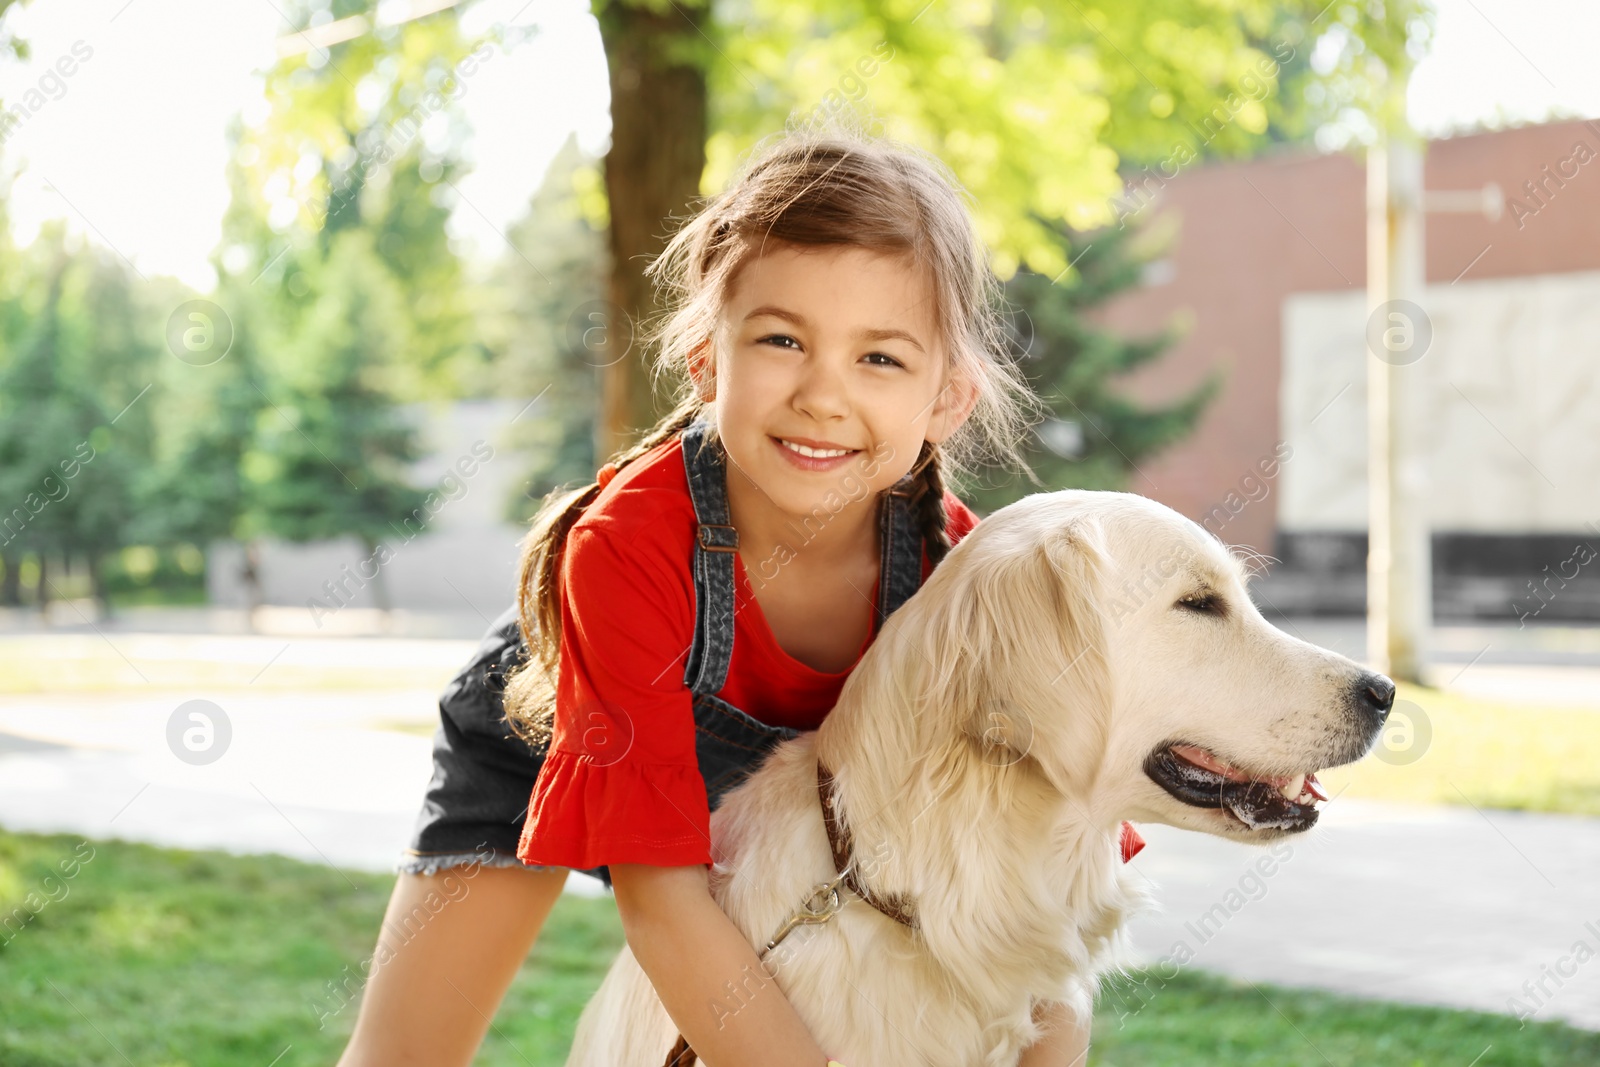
(336, 256)
(1039, 108)
(43, 417)
(331, 449)
(111, 350)
(194, 491)
(366, 135)
(1097, 436)
(73, 437)
(657, 55)
(553, 332)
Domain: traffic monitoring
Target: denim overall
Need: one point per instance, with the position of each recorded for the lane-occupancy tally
(729, 743)
(483, 774)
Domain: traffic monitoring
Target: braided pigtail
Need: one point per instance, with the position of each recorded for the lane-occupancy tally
(927, 501)
(530, 686)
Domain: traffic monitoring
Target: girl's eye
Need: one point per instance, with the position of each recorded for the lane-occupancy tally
(783, 340)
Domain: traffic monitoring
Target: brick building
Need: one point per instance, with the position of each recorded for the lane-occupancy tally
(1266, 266)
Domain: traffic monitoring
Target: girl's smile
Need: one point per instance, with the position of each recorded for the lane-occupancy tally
(814, 455)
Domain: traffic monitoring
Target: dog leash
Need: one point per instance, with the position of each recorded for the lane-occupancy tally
(824, 901)
(840, 843)
(823, 904)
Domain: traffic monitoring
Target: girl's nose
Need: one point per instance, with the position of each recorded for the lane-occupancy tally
(821, 391)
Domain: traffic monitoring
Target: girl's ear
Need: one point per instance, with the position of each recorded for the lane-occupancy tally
(701, 371)
(954, 403)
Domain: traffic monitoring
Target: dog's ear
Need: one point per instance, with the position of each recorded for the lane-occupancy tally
(1015, 659)
(1061, 681)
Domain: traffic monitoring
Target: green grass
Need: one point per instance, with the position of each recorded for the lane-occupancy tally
(1200, 1019)
(183, 959)
(1494, 754)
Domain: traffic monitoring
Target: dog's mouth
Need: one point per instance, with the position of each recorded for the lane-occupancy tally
(1200, 777)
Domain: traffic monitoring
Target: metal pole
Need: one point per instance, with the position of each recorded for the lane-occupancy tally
(1399, 585)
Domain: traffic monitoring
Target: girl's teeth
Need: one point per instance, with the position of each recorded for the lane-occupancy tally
(818, 453)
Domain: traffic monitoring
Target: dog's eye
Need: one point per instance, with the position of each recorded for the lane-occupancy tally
(1202, 604)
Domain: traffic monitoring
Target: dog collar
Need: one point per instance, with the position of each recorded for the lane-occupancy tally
(896, 907)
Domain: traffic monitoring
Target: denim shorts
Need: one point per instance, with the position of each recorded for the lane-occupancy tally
(483, 773)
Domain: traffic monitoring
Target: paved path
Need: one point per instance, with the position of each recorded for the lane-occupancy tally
(303, 774)
(1448, 906)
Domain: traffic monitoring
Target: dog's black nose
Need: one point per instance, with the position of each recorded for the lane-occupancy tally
(1376, 692)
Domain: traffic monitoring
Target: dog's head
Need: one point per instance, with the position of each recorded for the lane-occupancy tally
(1112, 643)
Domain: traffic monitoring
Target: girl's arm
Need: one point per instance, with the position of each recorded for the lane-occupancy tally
(690, 949)
(1065, 1043)
(440, 971)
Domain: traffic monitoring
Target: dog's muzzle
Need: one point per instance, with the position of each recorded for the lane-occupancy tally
(1258, 803)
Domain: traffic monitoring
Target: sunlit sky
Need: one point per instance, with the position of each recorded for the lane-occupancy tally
(132, 155)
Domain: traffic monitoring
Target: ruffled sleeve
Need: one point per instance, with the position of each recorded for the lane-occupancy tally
(621, 783)
(959, 519)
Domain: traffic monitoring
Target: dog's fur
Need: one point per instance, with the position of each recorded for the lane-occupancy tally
(987, 748)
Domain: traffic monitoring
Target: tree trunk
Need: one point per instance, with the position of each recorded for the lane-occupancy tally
(11, 584)
(43, 600)
(97, 584)
(380, 589)
(652, 172)
(251, 573)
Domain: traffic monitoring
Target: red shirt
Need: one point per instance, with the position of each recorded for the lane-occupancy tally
(620, 783)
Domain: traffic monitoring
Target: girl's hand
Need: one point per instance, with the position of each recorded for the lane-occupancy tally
(694, 955)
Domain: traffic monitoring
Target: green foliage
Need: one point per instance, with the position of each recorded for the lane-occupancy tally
(330, 447)
(140, 574)
(549, 321)
(340, 275)
(366, 136)
(1363, 51)
(74, 433)
(195, 491)
(9, 42)
(1097, 436)
(43, 418)
(1046, 113)
(1035, 106)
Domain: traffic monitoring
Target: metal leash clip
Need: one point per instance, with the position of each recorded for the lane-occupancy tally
(823, 904)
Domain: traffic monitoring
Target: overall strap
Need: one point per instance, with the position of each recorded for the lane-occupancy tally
(716, 542)
(900, 572)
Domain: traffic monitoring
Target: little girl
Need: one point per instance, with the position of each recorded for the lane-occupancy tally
(831, 316)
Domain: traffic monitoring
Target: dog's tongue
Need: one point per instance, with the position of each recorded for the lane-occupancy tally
(1259, 803)
(1205, 759)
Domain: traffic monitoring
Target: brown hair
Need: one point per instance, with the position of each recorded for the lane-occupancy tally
(802, 188)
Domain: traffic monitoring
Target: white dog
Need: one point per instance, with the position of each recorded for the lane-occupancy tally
(1079, 659)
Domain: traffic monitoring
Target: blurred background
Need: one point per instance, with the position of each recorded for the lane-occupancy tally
(305, 305)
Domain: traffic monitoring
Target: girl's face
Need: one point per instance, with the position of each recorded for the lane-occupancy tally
(837, 348)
